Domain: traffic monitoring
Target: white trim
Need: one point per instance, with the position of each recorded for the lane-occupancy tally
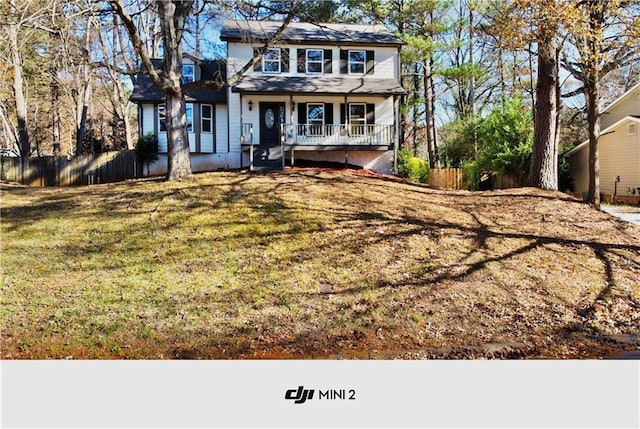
(605, 131)
(306, 63)
(364, 63)
(279, 61)
(206, 118)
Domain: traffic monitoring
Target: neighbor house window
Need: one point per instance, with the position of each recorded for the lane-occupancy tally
(188, 73)
(162, 118)
(315, 61)
(631, 129)
(315, 119)
(358, 118)
(271, 60)
(206, 118)
(357, 62)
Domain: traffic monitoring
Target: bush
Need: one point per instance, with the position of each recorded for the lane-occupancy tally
(471, 175)
(412, 167)
(506, 139)
(147, 148)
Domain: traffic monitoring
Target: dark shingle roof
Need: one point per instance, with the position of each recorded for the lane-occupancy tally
(214, 70)
(319, 85)
(301, 32)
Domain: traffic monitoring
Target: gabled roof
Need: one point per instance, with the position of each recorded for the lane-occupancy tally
(306, 33)
(317, 85)
(607, 130)
(214, 70)
(624, 96)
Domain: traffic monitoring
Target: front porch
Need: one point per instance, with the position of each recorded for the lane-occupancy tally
(315, 138)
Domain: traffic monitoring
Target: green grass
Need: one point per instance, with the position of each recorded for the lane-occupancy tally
(235, 265)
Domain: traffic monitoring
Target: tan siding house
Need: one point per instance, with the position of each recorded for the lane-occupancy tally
(619, 150)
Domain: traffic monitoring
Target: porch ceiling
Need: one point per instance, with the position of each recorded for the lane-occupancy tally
(317, 85)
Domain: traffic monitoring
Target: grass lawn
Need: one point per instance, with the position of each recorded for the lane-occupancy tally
(312, 264)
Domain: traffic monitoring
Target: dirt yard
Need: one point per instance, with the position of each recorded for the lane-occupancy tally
(313, 263)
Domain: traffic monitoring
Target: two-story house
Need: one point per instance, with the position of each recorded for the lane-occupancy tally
(320, 92)
(325, 92)
(618, 150)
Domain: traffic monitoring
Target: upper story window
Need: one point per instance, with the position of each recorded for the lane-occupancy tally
(188, 73)
(357, 62)
(271, 60)
(315, 61)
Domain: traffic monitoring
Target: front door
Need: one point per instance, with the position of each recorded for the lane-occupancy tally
(269, 152)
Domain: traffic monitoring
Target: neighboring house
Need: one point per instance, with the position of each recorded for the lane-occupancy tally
(324, 92)
(618, 149)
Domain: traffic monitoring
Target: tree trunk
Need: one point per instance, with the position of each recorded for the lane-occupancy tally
(179, 166)
(172, 18)
(593, 119)
(84, 99)
(428, 113)
(55, 110)
(543, 170)
(18, 92)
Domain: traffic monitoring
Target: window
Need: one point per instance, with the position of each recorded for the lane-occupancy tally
(188, 73)
(357, 62)
(315, 61)
(271, 60)
(206, 117)
(315, 119)
(357, 118)
(631, 129)
(189, 111)
(162, 118)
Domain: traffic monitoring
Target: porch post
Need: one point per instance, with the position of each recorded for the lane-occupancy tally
(396, 132)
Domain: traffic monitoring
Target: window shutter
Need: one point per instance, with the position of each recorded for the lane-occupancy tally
(371, 114)
(328, 113)
(370, 62)
(284, 60)
(302, 60)
(344, 62)
(302, 118)
(258, 65)
(343, 113)
(328, 59)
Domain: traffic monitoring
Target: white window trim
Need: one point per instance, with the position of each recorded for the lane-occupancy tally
(364, 63)
(203, 118)
(309, 120)
(192, 75)
(315, 62)
(190, 127)
(361, 122)
(162, 109)
(279, 61)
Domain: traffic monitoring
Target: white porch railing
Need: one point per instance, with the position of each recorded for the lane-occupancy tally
(342, 135)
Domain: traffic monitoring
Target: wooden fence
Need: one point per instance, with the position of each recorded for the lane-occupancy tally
(81, 170)
(452, 178)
